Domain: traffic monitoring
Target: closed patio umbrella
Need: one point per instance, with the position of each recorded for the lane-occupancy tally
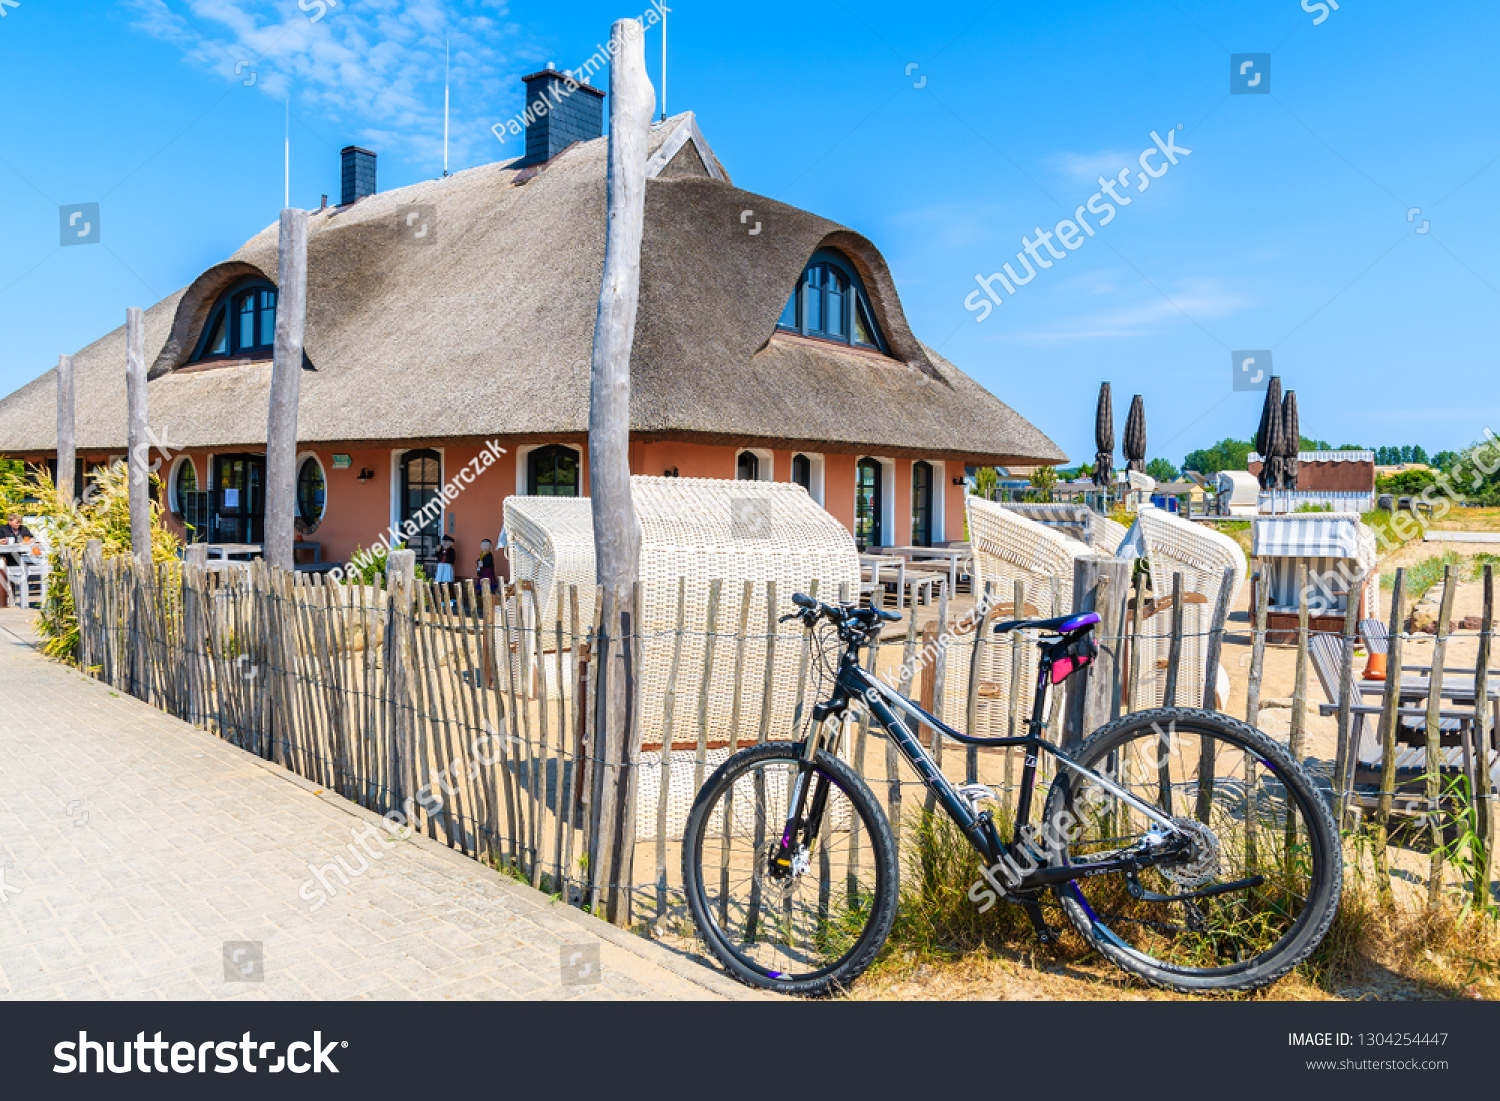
(1268, 436)
(1135, 436)
(1291, 440)
(1104, 439)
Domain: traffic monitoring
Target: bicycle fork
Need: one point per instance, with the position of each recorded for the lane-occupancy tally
(801, 830)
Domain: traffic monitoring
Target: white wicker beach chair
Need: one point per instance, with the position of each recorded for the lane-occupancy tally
(1173, 545)
(1078, 522)
(1106, 535)
(699, 530)
(1008, 548)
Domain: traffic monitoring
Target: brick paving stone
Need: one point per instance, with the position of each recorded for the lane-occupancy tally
(189, 842)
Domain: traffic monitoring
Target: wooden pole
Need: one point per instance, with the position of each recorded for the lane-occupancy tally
(1484, 792)
(65, 449)
(1344, 753)
(286, 387)
(1099, 585)
(1434, 738)
(400, 579)
(137, 441)
(617, 531)
(1388, 722)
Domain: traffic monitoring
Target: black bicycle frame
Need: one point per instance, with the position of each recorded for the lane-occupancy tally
(854, 682)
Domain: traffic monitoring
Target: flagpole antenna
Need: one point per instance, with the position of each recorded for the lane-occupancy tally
(664, 10)
(287, 196)
(445, 107)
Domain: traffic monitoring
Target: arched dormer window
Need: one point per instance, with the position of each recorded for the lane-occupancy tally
(831, 303)
(241, 324)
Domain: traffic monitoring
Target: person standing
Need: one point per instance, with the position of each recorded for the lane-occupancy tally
(486, 565)
(447, 558)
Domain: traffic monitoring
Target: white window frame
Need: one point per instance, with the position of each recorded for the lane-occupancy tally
(302, 457)
(887, 496)
(765, 463)
(523, 463)
(174, 506)
(816, 469)
(397, 454)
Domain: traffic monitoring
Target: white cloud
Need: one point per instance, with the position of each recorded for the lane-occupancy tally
(1196, 299)
(374, 68)
(1086, 168)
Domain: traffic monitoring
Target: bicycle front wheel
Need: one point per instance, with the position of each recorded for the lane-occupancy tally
(806, 925)
(1248, 899)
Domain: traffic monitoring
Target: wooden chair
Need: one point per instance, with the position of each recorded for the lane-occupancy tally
(1326, 653)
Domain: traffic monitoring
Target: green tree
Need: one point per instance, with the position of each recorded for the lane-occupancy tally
(986, 482)
(1161, 470)
(1227, 454)
(1314, 445)
(1444, 460)
(1406, 454)
(1044, 478)
(1418, 455)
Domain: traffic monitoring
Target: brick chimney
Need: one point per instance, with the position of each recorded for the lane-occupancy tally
(558, 117)
(358, 174)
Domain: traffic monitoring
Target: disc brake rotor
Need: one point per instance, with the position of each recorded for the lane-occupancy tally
(1202, 863)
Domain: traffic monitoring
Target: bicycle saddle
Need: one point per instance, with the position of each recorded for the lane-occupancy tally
(1062, 625)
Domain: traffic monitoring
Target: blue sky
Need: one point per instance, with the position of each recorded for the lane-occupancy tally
(1285, 229)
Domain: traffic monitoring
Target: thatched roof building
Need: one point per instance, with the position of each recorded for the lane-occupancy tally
(482, 327)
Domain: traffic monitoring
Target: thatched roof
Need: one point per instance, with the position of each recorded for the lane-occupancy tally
(486, 329)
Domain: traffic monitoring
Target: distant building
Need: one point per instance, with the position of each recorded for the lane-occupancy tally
(1344, 479)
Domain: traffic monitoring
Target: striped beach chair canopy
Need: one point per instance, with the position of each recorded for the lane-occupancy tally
(1336, 547)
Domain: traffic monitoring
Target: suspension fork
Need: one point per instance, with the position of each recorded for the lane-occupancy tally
(800, 827)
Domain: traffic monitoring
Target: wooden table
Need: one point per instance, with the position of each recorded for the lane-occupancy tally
(1458, 687)
(950, 558)
(876, 563)
(19, 555)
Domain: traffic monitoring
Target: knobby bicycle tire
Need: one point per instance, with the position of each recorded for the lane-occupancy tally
(882, 911)
(1327, 858)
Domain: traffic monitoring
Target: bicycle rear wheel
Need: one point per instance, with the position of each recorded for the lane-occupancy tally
(808, 928)
(1254, 893)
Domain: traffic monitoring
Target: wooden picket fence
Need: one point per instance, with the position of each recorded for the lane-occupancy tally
(468, 716)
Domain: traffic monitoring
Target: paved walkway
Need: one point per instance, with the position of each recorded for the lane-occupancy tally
(143, 858)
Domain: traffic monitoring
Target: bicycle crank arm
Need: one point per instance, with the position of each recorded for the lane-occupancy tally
(1133, 885)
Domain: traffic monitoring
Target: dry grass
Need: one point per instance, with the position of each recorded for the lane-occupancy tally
(943, 948)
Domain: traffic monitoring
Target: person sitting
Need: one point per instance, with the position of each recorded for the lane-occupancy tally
(14, 531)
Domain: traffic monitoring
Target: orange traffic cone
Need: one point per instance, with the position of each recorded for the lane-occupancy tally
(1375, 667)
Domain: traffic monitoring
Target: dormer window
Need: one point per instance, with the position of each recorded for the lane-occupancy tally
(830, 303)
(241, 324)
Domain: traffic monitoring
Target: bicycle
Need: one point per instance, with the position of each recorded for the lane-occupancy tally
(1194, 876)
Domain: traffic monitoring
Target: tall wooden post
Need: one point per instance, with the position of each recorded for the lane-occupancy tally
(617, 531)
(286, 387)
(138, 445)
(1099, 585)
(65, 450)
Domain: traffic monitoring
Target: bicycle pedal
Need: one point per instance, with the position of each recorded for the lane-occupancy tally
(976, 794)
